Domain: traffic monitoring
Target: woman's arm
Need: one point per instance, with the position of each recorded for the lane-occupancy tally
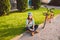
(26, 23)
(33, 24)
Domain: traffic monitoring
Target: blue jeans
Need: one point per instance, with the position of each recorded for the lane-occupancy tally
(35, 28)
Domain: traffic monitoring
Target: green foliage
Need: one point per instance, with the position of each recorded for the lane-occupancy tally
(36, 4)
(4, 7)
(21, 5)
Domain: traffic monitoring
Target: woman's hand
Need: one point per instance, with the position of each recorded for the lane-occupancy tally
(33, 27)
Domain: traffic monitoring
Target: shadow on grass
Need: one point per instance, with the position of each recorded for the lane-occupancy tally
(19, 11)
(8, 33)
(16, 11)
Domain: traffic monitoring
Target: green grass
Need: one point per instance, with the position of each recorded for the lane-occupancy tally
(14, 24)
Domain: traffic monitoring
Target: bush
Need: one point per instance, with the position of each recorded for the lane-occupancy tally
(4, 7)
(21, 5)
(36, 4)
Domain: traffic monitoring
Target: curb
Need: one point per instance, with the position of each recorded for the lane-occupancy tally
(56, 16)
(18, 37)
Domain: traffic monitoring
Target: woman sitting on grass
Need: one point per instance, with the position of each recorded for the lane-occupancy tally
(30, 24)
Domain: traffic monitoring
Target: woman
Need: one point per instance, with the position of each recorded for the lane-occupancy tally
(30, 24)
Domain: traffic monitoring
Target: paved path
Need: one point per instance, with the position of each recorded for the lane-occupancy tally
(56, 7)
(50, 32)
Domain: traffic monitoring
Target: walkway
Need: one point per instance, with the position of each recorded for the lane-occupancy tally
(50, 32)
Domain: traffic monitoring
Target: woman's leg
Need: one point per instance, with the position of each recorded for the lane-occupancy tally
(27, 29)
(32, 32)
(35, 27)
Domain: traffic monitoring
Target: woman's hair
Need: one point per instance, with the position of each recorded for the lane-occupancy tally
(29, 18)
(29, 14)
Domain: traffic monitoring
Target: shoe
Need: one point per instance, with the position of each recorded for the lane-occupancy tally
(28, 31)
(36, 31)
(32, 33)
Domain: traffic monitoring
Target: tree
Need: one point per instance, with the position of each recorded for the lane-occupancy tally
(36, 4)
(4, 7)
(21, 5)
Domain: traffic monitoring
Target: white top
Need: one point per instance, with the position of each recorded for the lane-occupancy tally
(30, 24)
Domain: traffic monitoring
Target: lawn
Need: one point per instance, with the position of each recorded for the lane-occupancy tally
(14, 24)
